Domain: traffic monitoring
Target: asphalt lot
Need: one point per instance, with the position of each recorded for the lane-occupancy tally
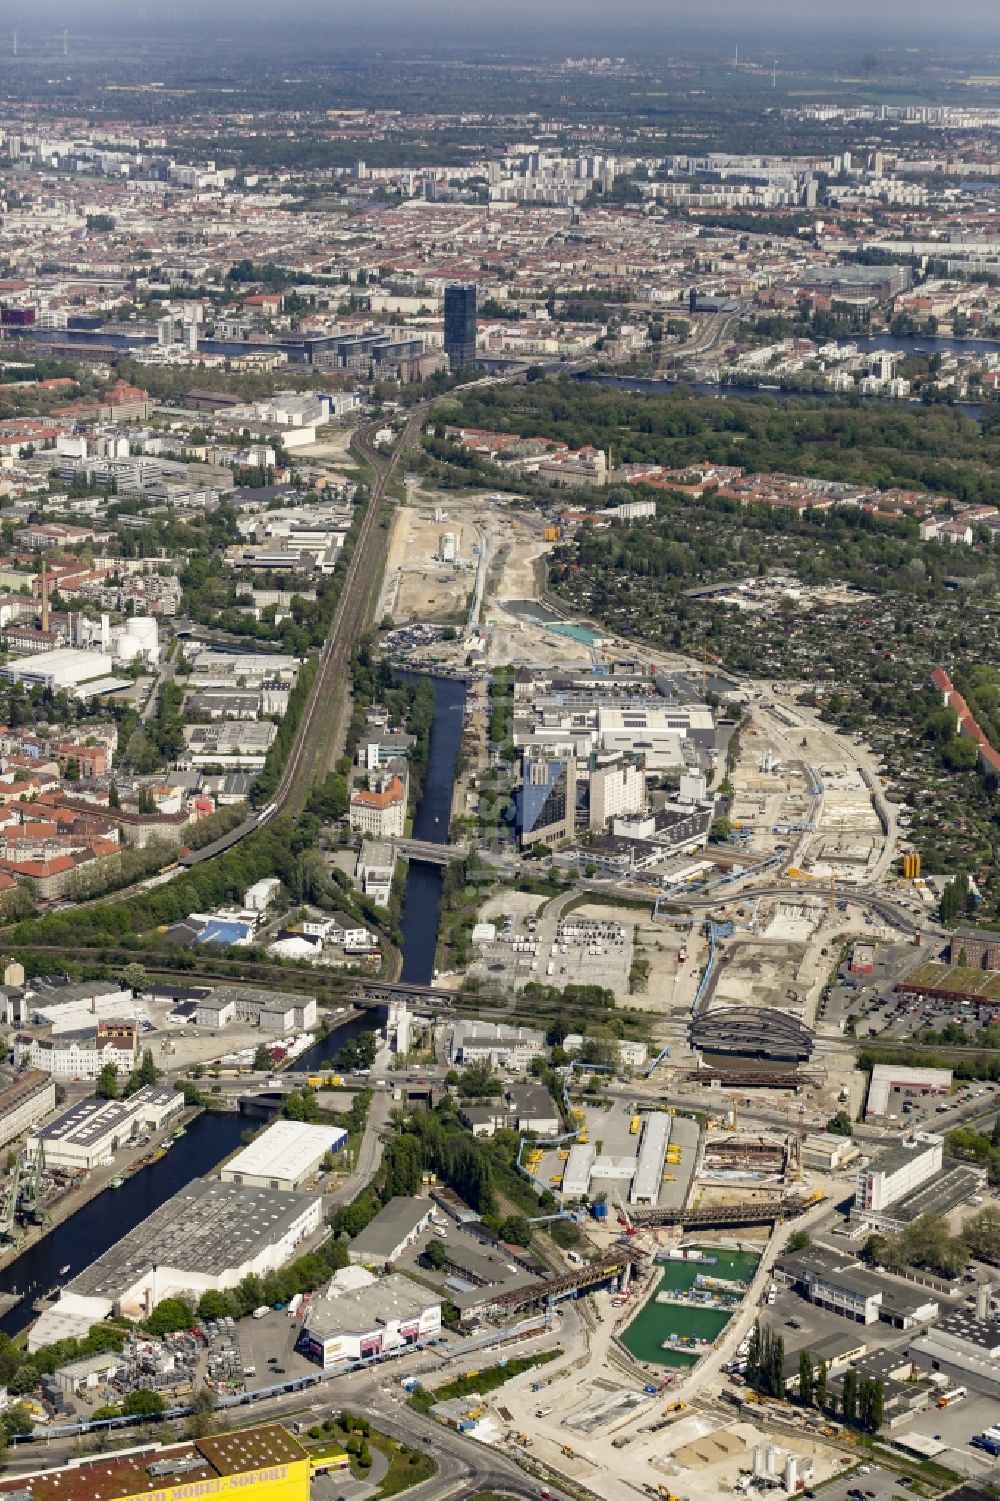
(274, 1335)
(956, 1426)
(882, 1484)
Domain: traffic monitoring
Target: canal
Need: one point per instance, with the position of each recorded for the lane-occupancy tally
(422, 906)
(422, 909)
(105, 1219)
(677, 1325)
(212, 1136)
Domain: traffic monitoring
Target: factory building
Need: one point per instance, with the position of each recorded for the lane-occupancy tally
(26, 1100)
(361, 1320)
(966, 1347)
(271, 1010)
(840, 1284)
(827, 1153)
(286, 1155)
(92, 1129)
(65, 667)
(71, 1007)
(266, 1459)
(207, 1238)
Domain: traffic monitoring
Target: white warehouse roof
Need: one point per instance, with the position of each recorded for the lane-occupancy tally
(64, 667)
(287, 1152)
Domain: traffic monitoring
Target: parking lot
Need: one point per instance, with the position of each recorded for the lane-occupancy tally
(870, 1480)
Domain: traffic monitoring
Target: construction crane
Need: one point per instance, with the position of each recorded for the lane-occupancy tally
(623, 1219)
(8, 1204)
(32, 1203)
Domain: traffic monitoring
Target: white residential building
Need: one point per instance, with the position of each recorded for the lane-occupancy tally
(80, 1055)
(381, 810)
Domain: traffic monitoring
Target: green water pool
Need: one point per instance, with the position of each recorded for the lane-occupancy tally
(653, 1323)
(574, 632)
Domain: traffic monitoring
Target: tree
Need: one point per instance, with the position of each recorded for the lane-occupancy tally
(148, 1071)
(799, 1241)
(403, 1166)
(840, 1124)
(819, 1385)
(478, 1081)
(805, 1378)
(169, 1316)
(202, 1420)
(877, 1409)
(721, 830)
(214, 1305)
(435, 1254)
(262, 1059)
(516, 1229)
(143, 1403)
(106, 1087)
(17, 1420)
(134, 977)
(850, 1395)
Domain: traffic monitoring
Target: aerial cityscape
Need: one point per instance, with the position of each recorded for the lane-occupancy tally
(499, 751)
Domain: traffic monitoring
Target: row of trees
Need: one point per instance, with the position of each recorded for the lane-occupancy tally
(106, 1087)
(862, 1398)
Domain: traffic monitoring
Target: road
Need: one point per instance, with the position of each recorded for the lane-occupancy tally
(370, 1151)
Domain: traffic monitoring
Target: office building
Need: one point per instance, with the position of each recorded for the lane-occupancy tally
(616, 789)
(81, 1055)
(380, 810)
(460, 325)
(545, 803)
(893, 1174)
(504, 1046)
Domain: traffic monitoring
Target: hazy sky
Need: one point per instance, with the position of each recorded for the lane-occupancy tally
(515, 24)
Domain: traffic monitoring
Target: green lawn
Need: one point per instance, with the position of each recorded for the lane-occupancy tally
(478, 1383)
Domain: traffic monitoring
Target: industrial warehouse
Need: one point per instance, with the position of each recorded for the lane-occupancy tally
(286, 1155)
(208, 1237)
(266, 1458)
(85, 1134)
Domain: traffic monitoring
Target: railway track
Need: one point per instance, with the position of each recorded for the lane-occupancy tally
(313, 743)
